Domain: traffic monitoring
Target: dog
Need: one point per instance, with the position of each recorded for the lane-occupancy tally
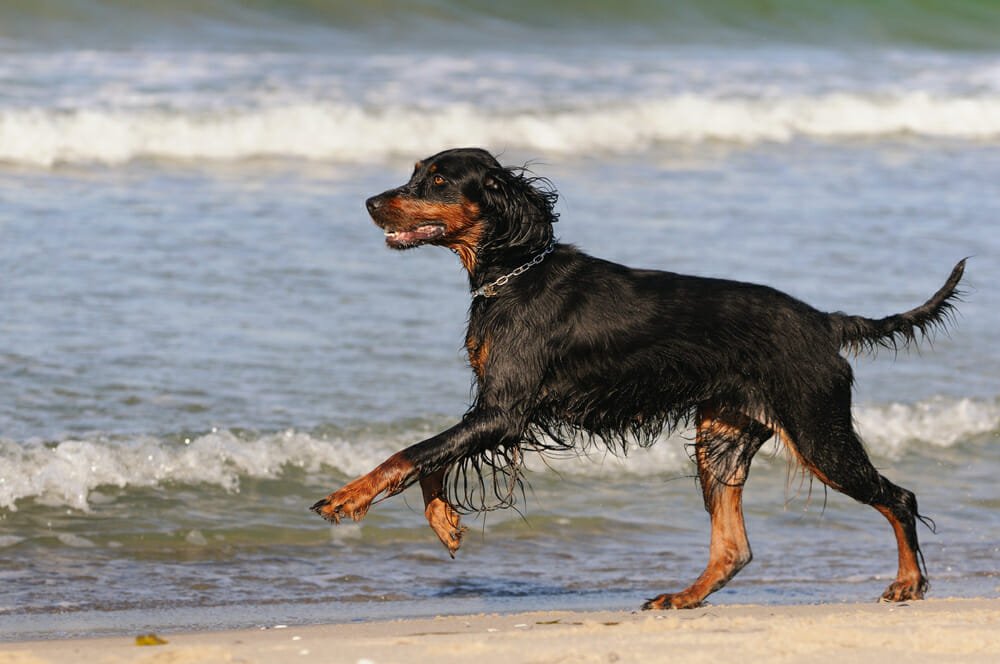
(568, 349)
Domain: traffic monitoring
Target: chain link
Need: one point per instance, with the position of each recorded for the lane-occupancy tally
(490, 290)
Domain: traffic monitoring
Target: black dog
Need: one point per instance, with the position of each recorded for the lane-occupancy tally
(567, 348)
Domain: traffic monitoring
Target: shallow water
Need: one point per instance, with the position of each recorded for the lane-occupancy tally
(202, 333)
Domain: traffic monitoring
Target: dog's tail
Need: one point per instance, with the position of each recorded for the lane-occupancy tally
(857, 333)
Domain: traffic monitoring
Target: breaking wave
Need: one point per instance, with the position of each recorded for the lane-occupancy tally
(65, 472)
(349, 133)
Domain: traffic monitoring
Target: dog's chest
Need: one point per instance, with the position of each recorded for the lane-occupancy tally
(479, 351)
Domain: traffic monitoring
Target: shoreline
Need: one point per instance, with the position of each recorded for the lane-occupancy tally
(933, 630)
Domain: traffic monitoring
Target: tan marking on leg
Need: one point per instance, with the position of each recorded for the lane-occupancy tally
(729, 549)
(910, 582)
(793, 450)
(441, 516)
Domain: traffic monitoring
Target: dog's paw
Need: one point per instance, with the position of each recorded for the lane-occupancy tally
(669, 601)
(348, 502)
(904, 591)
(446, 524)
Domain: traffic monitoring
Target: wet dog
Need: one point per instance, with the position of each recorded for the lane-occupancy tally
(568, 348)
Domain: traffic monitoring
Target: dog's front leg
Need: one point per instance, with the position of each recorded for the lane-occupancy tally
(353, 500)
(479, 430)
(441, 516)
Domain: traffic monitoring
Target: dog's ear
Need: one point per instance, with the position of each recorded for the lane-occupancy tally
(497, 190)
(519, 207)
(514, 194)
(490, 181)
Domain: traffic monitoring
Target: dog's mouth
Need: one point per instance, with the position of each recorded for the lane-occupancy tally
(404, 239)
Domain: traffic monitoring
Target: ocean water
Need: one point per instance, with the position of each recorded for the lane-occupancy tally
(201, 332)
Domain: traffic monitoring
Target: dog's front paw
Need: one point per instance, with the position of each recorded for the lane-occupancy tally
(351, 502)
(445, 522)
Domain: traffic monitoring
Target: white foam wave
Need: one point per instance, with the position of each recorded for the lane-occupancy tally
(351, 133)
(889, 430)
(67, 472)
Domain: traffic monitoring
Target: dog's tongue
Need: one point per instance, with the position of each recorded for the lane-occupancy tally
(419, 234)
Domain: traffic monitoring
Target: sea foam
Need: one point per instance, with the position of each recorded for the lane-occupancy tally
(346, 132)
(66, 472)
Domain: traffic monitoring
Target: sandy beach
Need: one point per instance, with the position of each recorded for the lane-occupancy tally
(941, 630)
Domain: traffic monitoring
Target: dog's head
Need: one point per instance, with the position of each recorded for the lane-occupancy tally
(465, 200)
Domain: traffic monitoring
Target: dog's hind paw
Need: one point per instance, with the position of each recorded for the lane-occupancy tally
(904, 591)
(669, 601)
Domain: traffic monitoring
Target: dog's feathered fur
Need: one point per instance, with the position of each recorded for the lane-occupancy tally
(577, 348)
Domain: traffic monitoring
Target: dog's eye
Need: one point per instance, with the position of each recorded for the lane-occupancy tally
(438, 181)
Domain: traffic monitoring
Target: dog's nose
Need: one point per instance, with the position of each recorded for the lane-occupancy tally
(373, 204)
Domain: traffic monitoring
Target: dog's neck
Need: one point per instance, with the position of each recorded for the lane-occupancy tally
(485, 284)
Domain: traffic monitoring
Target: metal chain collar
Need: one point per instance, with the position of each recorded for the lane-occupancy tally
(490, 290)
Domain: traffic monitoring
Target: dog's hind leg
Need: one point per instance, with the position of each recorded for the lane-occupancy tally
(830, 448)
(725, 444)
(441, 516)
